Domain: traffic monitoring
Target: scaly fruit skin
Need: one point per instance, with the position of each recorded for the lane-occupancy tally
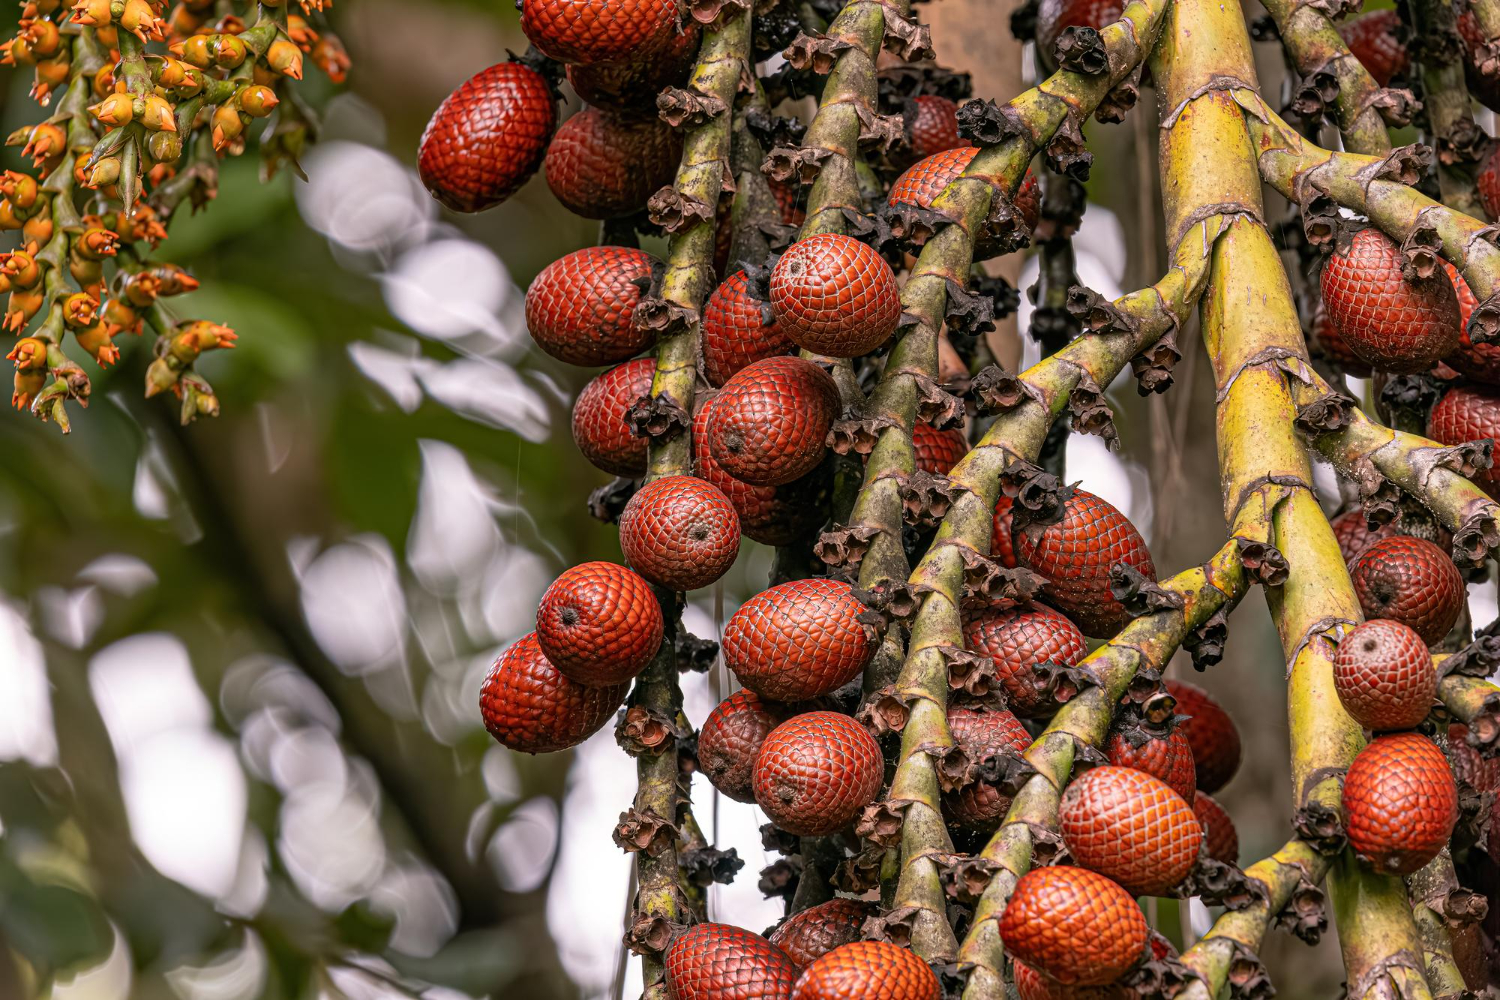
(863, 970)
(1394, 324)
(1468, 413)
(1373, 40)
(771, 515)
(1482, 88)
(729, 741)
(1400, 803)
(601, 165)
(1074, 925)
(815, 772)
(834, 295)
(1055, 15)
(1411, 581)
(798, 640)
(769, 424)
(982, 734)
(814, 932)
(487, 137)
(1479, 362)
(1219, 834)
(599, 624)
(1480, 773)
(579, 308)
(1019, 639)
(924, 180)
(1127, 825)
(737, 331)
(722, 962)
(1032, 985)
(631, 84)
(1488, 182)
(1167, 758)
(1354, 534)
(599, 427)
(1002, 547)
(590, 31)
(938, 451)
(1383, 674)
(1076, 553)
(1210, 732)
(933, 126)
(680, 532)
(528, 705)
(1330, 344)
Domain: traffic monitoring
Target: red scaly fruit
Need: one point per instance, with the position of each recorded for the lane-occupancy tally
(938, 451)
(1400, 803)
(1210, 732)
(1479, 362)
(769, 424)
(680, 532)
(731, 738)
(487, 137)
(528, 705)
(834, 295)
(982, 734)
(1468, 413)
(789, 202)
(1076, 553)
(599, 624)
(815, 772)
(722, 962)
(771, 515)
(599, 427)
(1330, 344)
(632, 84)
(1127, 825)
(1219, 834)
(924, 180)
(1478, 772)
(798, 640)
(1020, 639)
(738, 330)
(1411, 581)
(1055, 15)
(867, 969)
(1032, 985)
(601, 165)
(1394, 324)
(1354, 533)
(1074, 925)
(1028, 200)
(590, 31)
(579, 308)
(1383, 675)
(1482, 88)
(814, 932)
(1488, 182)
(1168, 757)
(1002, 548)
(1374, 40)
(933, 126)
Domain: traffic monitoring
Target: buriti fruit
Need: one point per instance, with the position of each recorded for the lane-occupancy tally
(924, 180)
(771, 515)
(834, 295)
(599, 427)
(769, 424)
(814, 932)
(1002, 545)
(579, 308)
(487, 137)
(1470, 767)
(1052, 16)
(982, 734)
(1487, 180)
(1074, 925)
(528, 705)
(1375, 42)
(730, 740)
(815, 772)
(1127, 825)
(680, 532)
(1331, 344)
(599, 624)
(868, 969)
(1032, 985)
(1400, 803)
(632, 83)
(588, 31)
(1411, 581)
(723, 962)
(937, 451)
(1019, 640)
(1210, 732)
(798, 640)
(1468, 413)
(1160, 751)
(602, 165)
(1480, 362)
(932, 125)
(1220, 839)
(1354, 534)
(1383, 674)
(738, 329)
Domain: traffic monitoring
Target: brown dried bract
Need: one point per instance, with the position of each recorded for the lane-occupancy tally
(1153, 367)
(703, 866)
(662, 317)
(694, 655)
(985, 123)
(643, 732)
(1120, 100)
(878, 132)
(971, 674)
(1421, 251)
(1263, 561)
(608, 501)
(895, 925)
(908, 39)
(649, 935)
(1465, 143)
(1091, 411)
(937, 406)
(1304, 914)
(1314, 94)
(843, 547)
(1220, 884)
(674, 211)
(773, 838)
(926, 498)
(1139, 593)
(880, 822)
(1038, 496)
(780, 878)
(1327, 413)
(908, 227)
(1096, 314)
(801, 162)
(987, 581)
(1321, 827)
(817, 52)
(857, 434)
(1081, 49)
(1205, 644)
(1476, 539)
(964, 878)
(1397, 106)
(659, 418)
(860, 873)
(967, 313)
(714, 13)
(995, 390)
(644, 831)
(682, 108)
(1248, 979)
(1322, 225)
(1067, 152)
(884, 711)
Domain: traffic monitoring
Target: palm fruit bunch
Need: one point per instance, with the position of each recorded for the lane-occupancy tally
(144, 101)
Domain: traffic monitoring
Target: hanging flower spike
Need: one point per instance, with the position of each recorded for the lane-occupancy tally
(29, 354)
(139, 18)
(329, 55)
(195, 337)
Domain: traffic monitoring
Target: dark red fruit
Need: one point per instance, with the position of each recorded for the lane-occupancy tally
(1374, 41)
(680, 532)
(1222, 841)
(1330, 344)
(1394, 324)
(1168, 758)
(1468, 413)
(817, 930)
(982, 734)
(863, 970)
(815, 772)
(1480, 362)
(1488, 182)
(1411, 581)
(924, 180)
(721, 962)
(1478, 772)
(601, 165)
(1074, 925)
(933, 126)
(1354, 533)
(1028, 200)
(632, 84)
(938, 451)
(487, 137)
(729, 741)
(834, 295)
(1032, 985)
(528, 705)
(789, 202)
(1127, 825)
(1210, 732)
(579, 308)
(1383, 674)
(769, 424)
(599, 427)
(589, 31)
(1076, 553)
(599, 624)
(1055, 15)
(1019, 640)
(1400, 803)
(1482, 88)
(1002, 548)
(771, 515)
(738, 329)
(798, 640)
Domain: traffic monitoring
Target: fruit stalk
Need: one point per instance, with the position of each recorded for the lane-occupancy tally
(1315, 45)
(1424, 888)
(1470, 699)
(1445, 98)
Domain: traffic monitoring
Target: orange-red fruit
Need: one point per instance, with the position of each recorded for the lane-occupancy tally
(1468, 413)
(721, 962)
(1074, 925)
(1372, 39)
(1383, 674)
(817, 930)
(1219, 834)
(680, 532)
(1076, 553)
(1332, 346)
(798, 640)
(599, 427)
(933, 126)
(1394, 324)
(1055, 15)
(1480, 362)
(601, 165)
(1411, 581)
(1479, 773)
(1167, 758)
(769, 424)
(528, 705)
(729, 741)
(588, 31)
(1002, 547)
(771, 515)
(1032, 985)
(1020, 639)
(863, 970)
(1354, 534)
(579, 308)
(938, 451)
(1400, 803)
(982, 734)
(834, 295)
(599, 624)
(487, 137)
(738, 329)
(815, 772)
(1210, 732)
(1488, 182)
(1130, 826)
(631, 84)
(924, 180)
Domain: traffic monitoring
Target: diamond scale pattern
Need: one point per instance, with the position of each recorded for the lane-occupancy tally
(981, 734)
(528, 705)
(599, 624)
(1055, 15)
(771, 515)
(815, 772)
(1020, 639)
(680, 532)
(1468, 413)
(834, 295)
(1383, 674)
(769, 424)
(933, 127)
(1488, 182)
(798, 640)
(938, 451)
(817, 930)
(1393, 324)
(863, 970)
(632, 83)
(1219, 834)
(736, 332)
(1480, 362)
(1210, 732)
(588, 31)
(1331, 345)
(924, 180)
(599, 427)
(579, 308)
(1411, 581)
(729, 742)
(601, 165)
(1167, 758)
(722, 962)
(1480, 773)
(1400, 803)
(1372, 38)
(1125, 824)
(1002, 546)
(1074, 925)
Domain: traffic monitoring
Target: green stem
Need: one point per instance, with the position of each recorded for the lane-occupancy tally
(1315, 45)
(1445, 98)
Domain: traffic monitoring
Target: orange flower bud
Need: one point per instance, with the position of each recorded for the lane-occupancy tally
(329, 56)
(139, 18)
(29, 354)
(165, 147)
(140, 289)
(96, 340)
(197, 51)
(8, 219)
(228, 124)
(157, 114)
(285, 58)
(38, 229)
(115, 110)
(300, 32)
(161, 376)
(256, 100)
(24, 304)
(80, 309)
(21, 268)
(19, 189)
(192, 339)
(198, 399)
(143, 224)
(229, 51)
(97, 243)
(27, 384)
(50, 74)
(104, 173)
(44, 141)
(18, 53)
(183, 22)
(44, 37)
(91, 12)
(103, 82)
(171, 72)
(119, 317)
